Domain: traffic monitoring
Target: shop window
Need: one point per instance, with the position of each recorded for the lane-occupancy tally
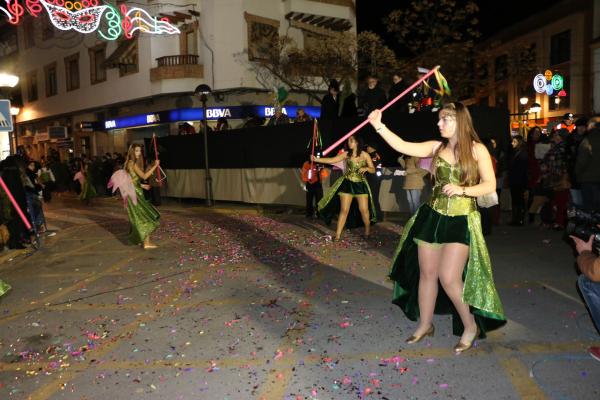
(502, 99)
(560, 48)
(50, 80)
(28, 32)
(72, 72)
(501, 68)
(97, 67)
(130, 64)
(32, 86)
(263, 37)
(188, 39)
(85, 146)
(47, 29)
(563, 102)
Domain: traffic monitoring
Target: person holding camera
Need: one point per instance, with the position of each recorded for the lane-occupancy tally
(589, 282)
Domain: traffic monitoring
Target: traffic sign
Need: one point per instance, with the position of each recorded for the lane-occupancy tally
(6, 124)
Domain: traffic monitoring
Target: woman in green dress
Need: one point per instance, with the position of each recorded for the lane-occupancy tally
(88, 192)
(352, 184)
(143, 217)
(443, 241)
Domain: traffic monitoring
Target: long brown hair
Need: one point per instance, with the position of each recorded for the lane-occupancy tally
(466, 135)
(131, 157)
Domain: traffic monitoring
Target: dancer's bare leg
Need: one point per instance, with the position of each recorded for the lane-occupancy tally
(363, 206)
(455, 256)
(429, 265)
(345, 202)
(147, 244)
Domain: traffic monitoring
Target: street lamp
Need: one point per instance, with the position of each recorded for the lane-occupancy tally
(8, 80)
(524, 100)
(202, 91)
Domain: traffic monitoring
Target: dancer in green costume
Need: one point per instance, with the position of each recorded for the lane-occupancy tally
(352, 184)
(443, 241)
(4, 288)
(143, 217)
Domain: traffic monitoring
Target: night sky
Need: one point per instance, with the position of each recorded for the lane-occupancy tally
(493, 15)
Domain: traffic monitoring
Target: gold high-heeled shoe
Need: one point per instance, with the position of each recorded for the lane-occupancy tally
(418, 338)
(462, 347)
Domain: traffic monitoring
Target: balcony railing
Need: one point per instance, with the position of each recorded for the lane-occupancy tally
(177, 67)
(171, 61)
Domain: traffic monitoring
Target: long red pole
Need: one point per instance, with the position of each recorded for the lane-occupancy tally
(156, 158)
(15, 204)
(388, 105)
(312, 152)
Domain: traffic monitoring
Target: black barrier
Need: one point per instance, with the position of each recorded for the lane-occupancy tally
(286, 146)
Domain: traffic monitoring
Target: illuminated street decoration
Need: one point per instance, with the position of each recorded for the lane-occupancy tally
(83, 20)
(85, 16)
(548, 83)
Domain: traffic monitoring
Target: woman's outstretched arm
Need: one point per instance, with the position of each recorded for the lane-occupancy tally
(423, 150)
(330, 160)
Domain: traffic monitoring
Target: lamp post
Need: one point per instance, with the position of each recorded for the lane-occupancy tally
(535, 108)
(202, 91)
(523, 100)
(12, 136)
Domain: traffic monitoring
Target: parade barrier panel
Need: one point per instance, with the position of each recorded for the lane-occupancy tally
(262, 164)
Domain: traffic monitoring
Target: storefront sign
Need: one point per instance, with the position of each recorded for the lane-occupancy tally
(85, 126)
(197, 114)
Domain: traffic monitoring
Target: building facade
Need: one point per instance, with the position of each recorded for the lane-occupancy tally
(554, 41)
(76, 88)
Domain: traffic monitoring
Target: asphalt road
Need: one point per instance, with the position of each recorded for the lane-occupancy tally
(241, 304)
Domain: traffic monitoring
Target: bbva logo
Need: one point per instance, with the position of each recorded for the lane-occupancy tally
(218, 113)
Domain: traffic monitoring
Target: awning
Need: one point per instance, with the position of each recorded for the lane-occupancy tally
(319, 21)
(124, 54)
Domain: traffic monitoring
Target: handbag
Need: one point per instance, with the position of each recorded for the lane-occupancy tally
(488, 200)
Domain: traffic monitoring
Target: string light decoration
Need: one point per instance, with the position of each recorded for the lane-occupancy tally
(86, 16)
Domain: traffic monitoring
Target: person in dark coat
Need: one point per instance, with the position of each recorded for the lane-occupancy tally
(398, 87)
(373, 97)
(517, 179)
(13, 169)
(349, 109)
(330, 105)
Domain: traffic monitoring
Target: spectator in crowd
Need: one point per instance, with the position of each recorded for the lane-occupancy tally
(12, 174)
(374, 180)
(314, 187)
(33, 191)
(487, 213)
(47, 180)
(398, 86)
(279, 118)
(555, 175)
(517, 179)
(330, 105)
(566, 123)
(573, 142)
(302, 116)
(413, 181)
(222, 124)
(587, 169)
(253, 121)
(533, 171)
(348, 100)
(589, 283)
(373, 97)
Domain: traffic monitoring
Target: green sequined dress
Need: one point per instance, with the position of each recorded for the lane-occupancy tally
(143, 217)
(4, 288)
(88, 191)
(353, 183)
(448, 220)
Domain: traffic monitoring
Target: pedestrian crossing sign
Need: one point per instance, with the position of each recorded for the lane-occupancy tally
(6, 124)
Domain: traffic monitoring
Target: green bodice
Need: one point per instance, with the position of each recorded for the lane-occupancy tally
(352, 168)
(446, 173)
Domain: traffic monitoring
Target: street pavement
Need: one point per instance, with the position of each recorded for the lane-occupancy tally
(243, 303)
